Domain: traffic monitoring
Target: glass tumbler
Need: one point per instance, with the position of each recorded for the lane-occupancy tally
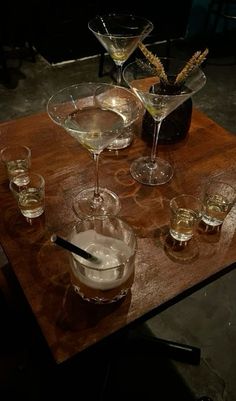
(112, 241)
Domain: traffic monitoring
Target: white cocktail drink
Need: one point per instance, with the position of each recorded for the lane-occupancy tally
(107, 280)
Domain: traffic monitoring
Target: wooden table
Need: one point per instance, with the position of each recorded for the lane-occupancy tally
(69, 324)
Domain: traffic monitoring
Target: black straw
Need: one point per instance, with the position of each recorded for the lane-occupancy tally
(74, 248)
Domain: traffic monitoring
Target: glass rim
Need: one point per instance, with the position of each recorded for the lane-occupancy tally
(15, 146)
(71, 86)
(119, 15)
(85, 84)
(193, 197)
(217, 181)
(91, 84)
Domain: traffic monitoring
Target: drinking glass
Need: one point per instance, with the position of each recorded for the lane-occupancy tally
(219, 198)
(124, 102)
(120, 34)
(95, 127)
(30, 194)
(186, 212)
(17, 160)
(112, 241)
(141, 78)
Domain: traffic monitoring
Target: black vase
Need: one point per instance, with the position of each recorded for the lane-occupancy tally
(174, 127)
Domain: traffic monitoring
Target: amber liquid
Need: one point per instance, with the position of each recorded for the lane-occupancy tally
(119, 48)
(183, 223)
(217, 208)
(101, 296)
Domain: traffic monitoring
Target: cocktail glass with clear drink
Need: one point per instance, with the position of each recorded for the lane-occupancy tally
(95, 127)
(112, 241)
(146, 84)
(120, 34)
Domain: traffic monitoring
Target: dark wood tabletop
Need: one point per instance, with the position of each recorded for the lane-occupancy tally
(69, 324)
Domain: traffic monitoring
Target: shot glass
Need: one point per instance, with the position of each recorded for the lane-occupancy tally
(31, 195)
(186, 212)
(113, 242)
(219, 197)
(17, 160)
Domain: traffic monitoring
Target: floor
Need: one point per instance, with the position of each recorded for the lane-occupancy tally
(205, 319)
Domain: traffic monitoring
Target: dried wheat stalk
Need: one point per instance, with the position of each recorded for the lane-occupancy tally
(154, 60)
(195, 61)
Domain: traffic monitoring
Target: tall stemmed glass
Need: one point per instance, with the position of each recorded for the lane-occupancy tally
(95, 114)
(120, 35)
(95, 127)
(140, 77)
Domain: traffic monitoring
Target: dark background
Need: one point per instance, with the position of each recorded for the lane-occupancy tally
(59, 29)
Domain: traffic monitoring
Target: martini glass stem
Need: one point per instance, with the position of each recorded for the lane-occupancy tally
(97, 199)
(119, 74)
(157, 126)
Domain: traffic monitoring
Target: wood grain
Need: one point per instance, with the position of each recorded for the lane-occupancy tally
(69, 324)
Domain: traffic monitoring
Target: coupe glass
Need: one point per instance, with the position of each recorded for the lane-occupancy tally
(95, 127)
(120, 35)
(140, 77)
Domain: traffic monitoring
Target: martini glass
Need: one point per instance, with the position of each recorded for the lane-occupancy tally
(94, 127)
(120, 34)
(140, 77)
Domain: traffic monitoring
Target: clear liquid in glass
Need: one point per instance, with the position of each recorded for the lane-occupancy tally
(94, 127)
(182, 224)
(31, 202)
(216, 209)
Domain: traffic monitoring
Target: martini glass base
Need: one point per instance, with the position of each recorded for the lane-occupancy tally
(149, 173)
(85, 206)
